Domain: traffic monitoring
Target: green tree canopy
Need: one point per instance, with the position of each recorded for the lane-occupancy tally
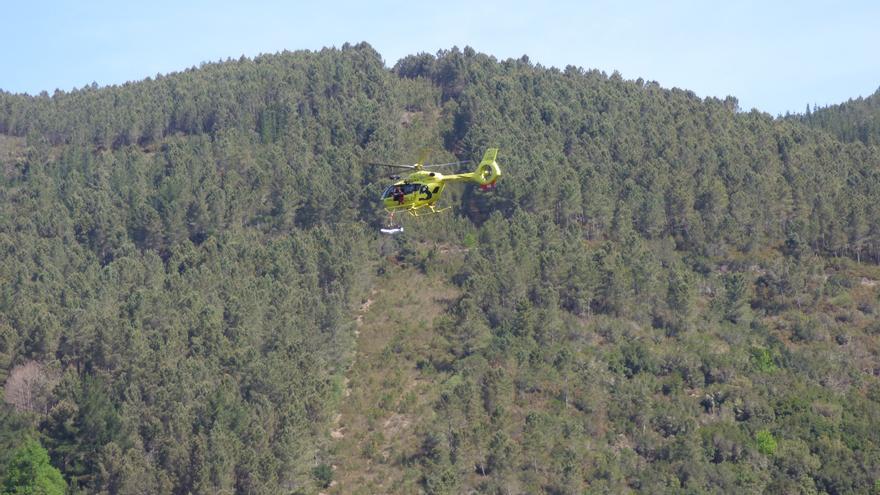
(29, 472)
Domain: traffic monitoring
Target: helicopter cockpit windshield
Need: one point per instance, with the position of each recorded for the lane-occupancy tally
(403, 188)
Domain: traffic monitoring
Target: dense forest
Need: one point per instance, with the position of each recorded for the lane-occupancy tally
(855, 120)
(663, 294)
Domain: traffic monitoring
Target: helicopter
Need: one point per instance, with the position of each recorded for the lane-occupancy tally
(417, 194)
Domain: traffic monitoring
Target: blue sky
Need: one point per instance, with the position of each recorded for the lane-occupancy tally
(774, 56)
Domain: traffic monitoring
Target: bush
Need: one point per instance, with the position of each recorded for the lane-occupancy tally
(806, 329)
(323, 474)
(766, 442)
(763, 360)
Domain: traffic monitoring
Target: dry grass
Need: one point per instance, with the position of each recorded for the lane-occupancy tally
(388, 394)
(12, 152)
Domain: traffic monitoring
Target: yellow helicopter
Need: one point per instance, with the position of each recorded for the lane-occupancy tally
(417, 194)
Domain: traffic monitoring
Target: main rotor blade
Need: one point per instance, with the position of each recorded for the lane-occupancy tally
(392, 165)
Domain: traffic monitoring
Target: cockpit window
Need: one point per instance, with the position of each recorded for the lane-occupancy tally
(405, 188)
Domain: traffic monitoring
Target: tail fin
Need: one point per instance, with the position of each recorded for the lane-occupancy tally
(488, 172)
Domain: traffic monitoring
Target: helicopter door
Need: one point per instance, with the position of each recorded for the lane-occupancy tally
(425, 193)
(411, 191)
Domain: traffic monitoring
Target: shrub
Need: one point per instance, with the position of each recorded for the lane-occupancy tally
(323, 474)
(766, 442)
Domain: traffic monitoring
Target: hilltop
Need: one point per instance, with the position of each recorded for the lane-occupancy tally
(855, 120)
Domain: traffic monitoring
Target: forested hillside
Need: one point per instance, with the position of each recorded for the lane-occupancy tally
(664, 294)
(855, 120)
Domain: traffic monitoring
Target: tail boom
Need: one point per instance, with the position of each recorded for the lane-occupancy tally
(486, 175)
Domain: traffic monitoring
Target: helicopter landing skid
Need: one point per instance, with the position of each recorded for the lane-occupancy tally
(415, 211)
